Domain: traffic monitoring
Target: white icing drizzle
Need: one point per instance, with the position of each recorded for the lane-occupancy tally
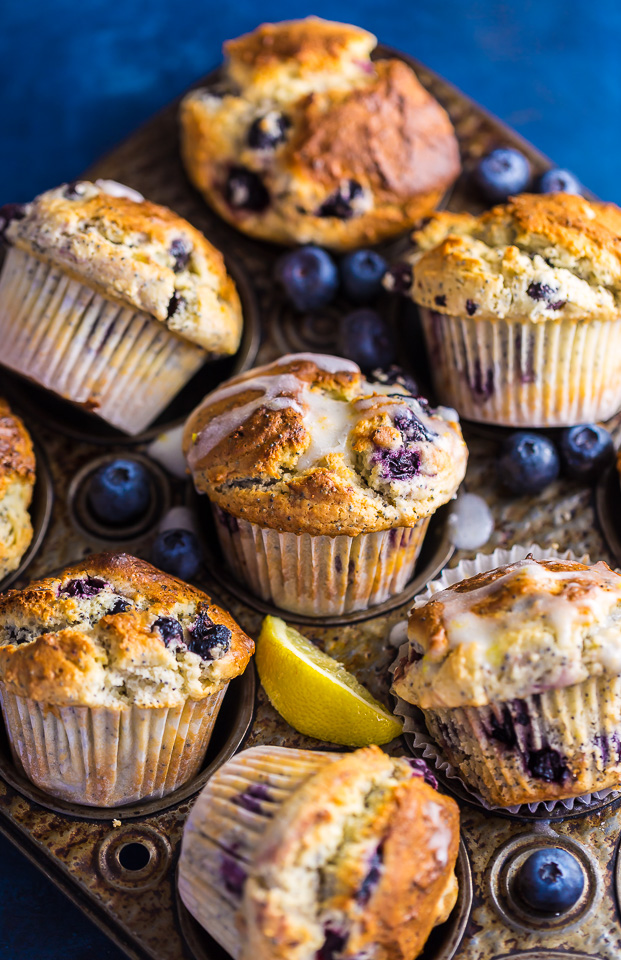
(115, 189)
(323, 361)
(329, 422)
(440, 840)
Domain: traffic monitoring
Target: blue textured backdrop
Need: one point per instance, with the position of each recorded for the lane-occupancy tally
(78, 77)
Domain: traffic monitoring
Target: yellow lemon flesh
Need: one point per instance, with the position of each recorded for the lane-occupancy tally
(315, 693)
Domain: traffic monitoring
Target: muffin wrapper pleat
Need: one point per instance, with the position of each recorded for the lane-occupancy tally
(520, 373)
(117, 362)
(320, 576)
(225, 827)
(496, 751)
(98, 756)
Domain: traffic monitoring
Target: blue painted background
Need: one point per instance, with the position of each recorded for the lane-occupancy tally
(77, 77)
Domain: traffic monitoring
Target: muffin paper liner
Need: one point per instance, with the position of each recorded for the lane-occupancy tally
(117, 362)
(583, 701)
(103, 757)
(225, 826)
(521, 373)
(320, 576)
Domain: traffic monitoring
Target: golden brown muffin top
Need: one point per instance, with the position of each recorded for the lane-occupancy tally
(135, 252)
(363, 851)
(17, 460)
(307, 445)
(113, 630)
(512, 632)
(538, 256)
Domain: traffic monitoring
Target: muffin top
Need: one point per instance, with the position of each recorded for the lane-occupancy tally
(113, 631)
(307, 445)
(512, 632)
(17, 460)
(539, 257)
(133, 252)
(359, 862)
(309, 139)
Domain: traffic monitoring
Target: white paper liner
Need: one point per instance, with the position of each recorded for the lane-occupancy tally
(117, 362)
(520, 373)
(98, 756)
(422, 742)
(320, 576)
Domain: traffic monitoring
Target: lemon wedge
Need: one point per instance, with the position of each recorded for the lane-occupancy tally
(315, 693)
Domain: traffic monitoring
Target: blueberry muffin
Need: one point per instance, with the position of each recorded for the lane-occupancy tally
(17, 479)
(294, 855)
(323, 483)
(518, 674)
(307, 139)
(521, 309)
(110, 301)
(111, 678)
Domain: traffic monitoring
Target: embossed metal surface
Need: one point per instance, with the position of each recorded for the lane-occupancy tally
(124, 876)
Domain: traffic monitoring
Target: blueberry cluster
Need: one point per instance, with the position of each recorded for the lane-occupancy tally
(506, 171)
(530, 461)
(211, 641)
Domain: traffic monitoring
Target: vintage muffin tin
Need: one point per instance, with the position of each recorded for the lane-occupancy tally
(119, 865)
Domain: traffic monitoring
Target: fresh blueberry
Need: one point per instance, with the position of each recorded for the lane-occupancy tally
(502, 173)
(559, 181)
(341, 203)
(361, 275)
(245, 190)
(550, 880)
(586, 451)
(528, 463)
(209, 640)
(119, 491)
(364, 337)
(267, 132)
(309, 276)
(177, 552)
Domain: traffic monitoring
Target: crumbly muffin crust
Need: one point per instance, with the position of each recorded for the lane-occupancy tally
(360, 859)
(307, 445)
(309, 140)
(114, 631)
(511, 633)
(17, 479)
(135, 252)
(537, 257)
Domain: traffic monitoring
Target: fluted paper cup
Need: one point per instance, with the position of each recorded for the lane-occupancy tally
(320, 576)
(99, 756)
(115, 361)
(522, 374)
(225, 827)
(556, 748)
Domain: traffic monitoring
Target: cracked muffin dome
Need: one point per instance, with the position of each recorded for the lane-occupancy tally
(17, 479)
(307, 445)
(307, 139)
(540, 257)
(113, 631)
(297, 854)
(133, 251)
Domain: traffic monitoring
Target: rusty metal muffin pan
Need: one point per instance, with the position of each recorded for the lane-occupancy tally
(119, 865)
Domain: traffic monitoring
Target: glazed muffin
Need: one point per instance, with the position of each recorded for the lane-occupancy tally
(295, 854)
(111, 301)
(307, 139)
(111, 678)
(518, 673)
(521, 309)
(17, 480)
(322, 482)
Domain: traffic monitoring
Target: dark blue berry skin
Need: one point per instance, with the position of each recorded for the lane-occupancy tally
(82, 588)
(309, 277)
(169, 629)
(528, 463)
(261, 139)
(550, 880)
(177, 552)
(559, 181)
(361, 275)
(119, 492)
(502, 173)
(586, 451)
(244, 190)
(364, 337)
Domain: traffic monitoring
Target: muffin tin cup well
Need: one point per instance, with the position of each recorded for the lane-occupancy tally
(70, 419)
(229, 730)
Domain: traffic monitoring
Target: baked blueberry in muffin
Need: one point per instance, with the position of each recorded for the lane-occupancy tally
(309, 140)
